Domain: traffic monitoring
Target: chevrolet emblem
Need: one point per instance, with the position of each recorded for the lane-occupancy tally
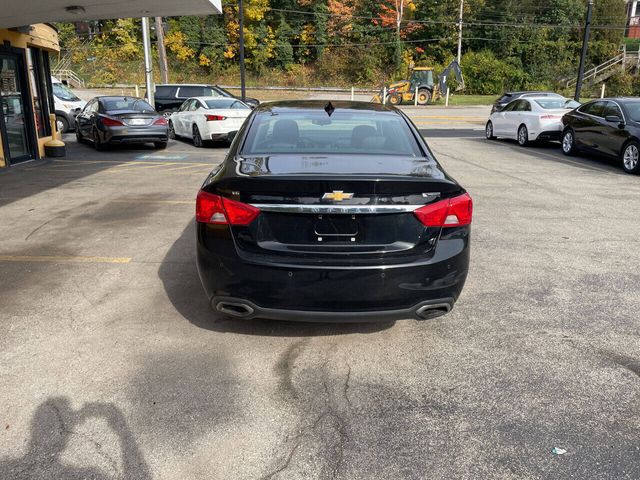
(337, 196)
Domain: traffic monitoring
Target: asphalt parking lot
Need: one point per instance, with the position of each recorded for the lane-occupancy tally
(112, 364)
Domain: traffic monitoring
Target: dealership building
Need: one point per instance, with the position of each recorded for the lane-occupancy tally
(26, 44)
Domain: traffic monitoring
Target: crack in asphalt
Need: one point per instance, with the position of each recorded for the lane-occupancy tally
(98, 446)
(336, 400)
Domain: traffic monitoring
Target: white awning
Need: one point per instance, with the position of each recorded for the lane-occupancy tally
(16, 13)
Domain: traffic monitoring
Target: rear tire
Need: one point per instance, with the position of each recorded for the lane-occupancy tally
(79, 137)
(488, 131)
(97, 143)
(61, 124)
(197, 139)
(568, 142)
(523, 136)
(630, 157)
(424, 96)
(160, 145)
(172, 131)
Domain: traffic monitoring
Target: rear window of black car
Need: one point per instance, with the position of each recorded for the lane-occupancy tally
(196, 91)
(125, 103)
(166, 92)
(343, 132)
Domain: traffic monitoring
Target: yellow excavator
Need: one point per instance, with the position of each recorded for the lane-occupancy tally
(422, 82)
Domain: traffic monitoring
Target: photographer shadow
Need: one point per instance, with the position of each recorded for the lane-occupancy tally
(52, 427)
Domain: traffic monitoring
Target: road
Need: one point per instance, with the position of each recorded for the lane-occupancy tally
(112, 365)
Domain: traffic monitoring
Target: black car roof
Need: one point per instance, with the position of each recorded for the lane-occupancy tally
(113, 97)
(621, 99)
(318, 105)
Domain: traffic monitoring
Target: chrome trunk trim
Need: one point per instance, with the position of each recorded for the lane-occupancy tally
(339, 209)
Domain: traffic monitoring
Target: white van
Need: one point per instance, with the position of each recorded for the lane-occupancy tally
(67, 104)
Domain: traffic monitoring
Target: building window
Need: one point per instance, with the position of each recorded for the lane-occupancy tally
(39, 83)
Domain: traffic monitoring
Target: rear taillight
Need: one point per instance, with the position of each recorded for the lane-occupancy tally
(111, 122)
(161, 121)
(214, 118)
(450, 212)
(217, 210)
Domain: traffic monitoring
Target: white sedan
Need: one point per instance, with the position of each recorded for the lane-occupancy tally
(529, 119)
(208, 118)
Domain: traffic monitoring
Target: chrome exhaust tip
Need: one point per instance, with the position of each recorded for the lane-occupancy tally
(238, 310)
(427, 312)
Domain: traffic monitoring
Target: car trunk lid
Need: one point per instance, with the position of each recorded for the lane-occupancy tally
(310, 215)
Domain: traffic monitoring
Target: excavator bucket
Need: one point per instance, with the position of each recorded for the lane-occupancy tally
(377, 98)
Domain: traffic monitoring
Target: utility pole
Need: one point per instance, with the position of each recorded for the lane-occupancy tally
(583, 56)
(241, 24)
(162, 52)
(460, 32)
(148, 71)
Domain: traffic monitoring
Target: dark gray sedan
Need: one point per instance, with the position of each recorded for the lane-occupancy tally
(109, 120)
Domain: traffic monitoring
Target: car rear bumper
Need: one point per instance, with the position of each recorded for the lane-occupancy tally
(220, 137)
(135, 135)
(241, 308)
(332, 294)
(549, 135)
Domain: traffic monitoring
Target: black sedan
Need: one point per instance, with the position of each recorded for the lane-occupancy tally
(610, 126)
(331, 212)
(109, 120)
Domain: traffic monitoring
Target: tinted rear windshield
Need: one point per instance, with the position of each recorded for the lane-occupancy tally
(342, 132)
(551, 103)
(130, 104)
(227, 103)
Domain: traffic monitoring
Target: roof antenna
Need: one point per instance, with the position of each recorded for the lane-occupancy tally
(329, 108)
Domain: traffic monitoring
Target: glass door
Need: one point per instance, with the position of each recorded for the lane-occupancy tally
(15, 117)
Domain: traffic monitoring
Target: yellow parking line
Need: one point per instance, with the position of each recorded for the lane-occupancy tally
(58, 160)
(62, 259)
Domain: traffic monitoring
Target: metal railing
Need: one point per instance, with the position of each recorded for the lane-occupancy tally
(623, 61)
(69, 76)
(599, 69)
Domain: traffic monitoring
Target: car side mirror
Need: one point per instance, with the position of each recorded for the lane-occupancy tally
(613, 119)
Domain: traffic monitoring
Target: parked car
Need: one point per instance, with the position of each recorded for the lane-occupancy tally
(610, 126)
(328, 211)
(509, 97)
(208, 118)
(252, 102)
(108, 120)
(67, 104)
(168, 98)
(528, 119)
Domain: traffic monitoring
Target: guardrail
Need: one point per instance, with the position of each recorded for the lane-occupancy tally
(237, 87)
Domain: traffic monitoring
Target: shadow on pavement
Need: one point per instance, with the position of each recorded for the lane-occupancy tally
(31, 178)
(179, 276)
(551, 152)
(53, 425)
